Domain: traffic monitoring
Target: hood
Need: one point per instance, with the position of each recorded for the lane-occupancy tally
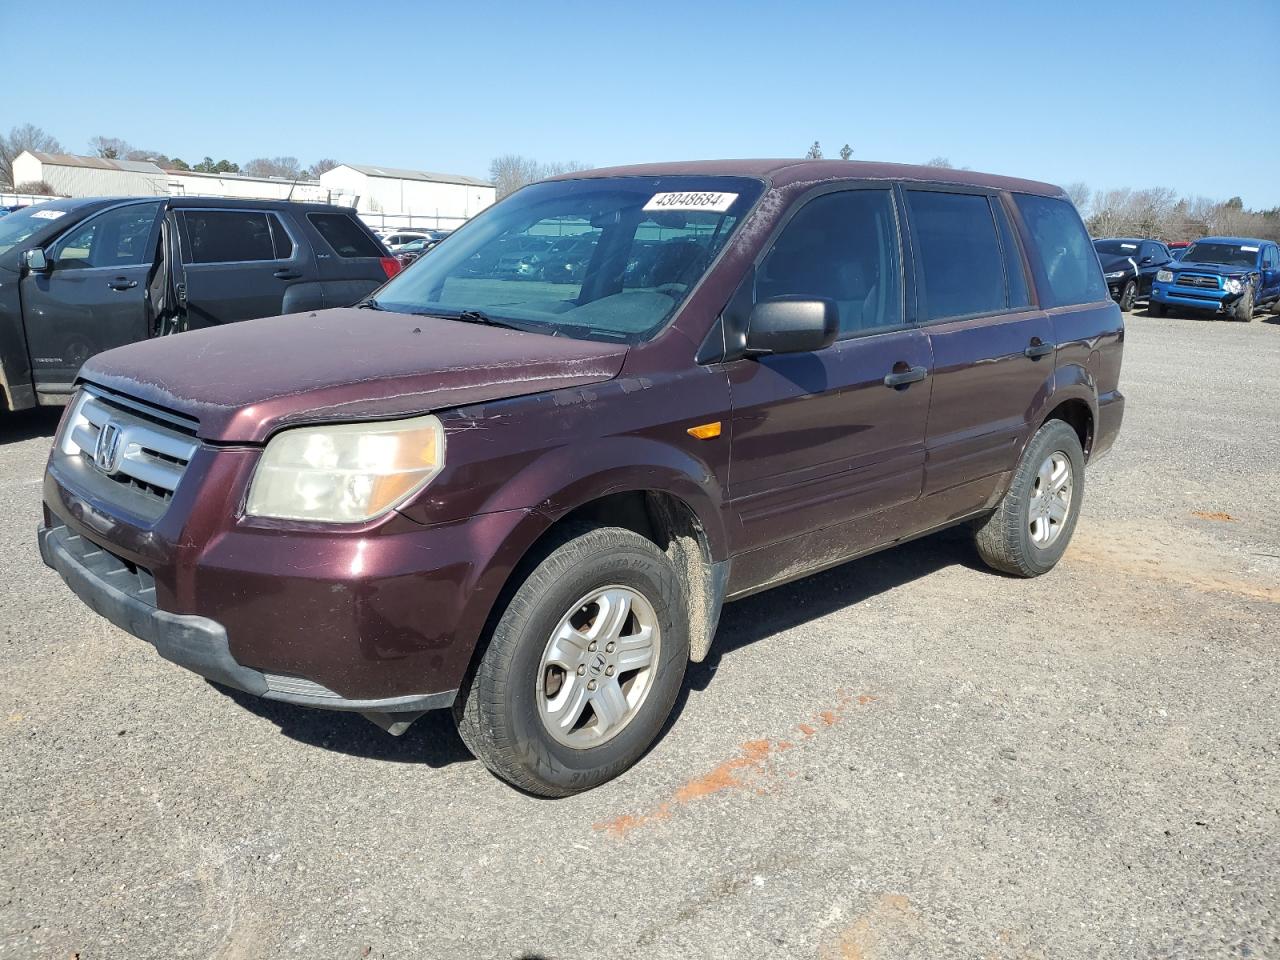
(1218, 269)
(246, 380)
(1112, 262)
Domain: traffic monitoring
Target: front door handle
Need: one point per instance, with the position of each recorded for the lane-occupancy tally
(122, 283)
(900, 378)
(1038, 348)
(286, 275)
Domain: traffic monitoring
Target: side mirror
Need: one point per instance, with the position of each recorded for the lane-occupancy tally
(793, 324)
(36, 261)
(1146, 260)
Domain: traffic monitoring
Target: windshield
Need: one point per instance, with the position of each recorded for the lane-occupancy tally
(595, 259)
(1116, 248)
(1226, 254)
(18, 226)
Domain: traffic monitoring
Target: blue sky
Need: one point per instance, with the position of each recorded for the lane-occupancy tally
(1054, 91)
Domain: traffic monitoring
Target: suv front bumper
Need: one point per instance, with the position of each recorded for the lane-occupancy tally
(125, 594)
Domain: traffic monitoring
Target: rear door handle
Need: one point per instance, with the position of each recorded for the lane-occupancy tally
(286, 275)
(122, 283)
(1038, 349)
(904, 377)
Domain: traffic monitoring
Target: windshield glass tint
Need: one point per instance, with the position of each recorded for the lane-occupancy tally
(599, 259)
(1116, 248)
(21, 224)
(1227, 254)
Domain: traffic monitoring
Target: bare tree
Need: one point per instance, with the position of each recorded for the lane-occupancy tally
(25, 137)
(35, 188)
(110, 148)
(321, 166)
(1080, 195)
(815, 151)
(942, 162)
(846, 152)
(511, 171)
(286, 167)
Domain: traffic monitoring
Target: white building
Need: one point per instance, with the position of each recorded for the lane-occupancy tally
(70, 176)
(409, 197)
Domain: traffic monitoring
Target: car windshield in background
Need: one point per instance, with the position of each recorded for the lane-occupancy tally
(18, 226)
(595, 259)
(1226, 254)
(1116, 248)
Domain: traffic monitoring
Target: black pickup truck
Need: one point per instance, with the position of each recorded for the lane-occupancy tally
(81, 276)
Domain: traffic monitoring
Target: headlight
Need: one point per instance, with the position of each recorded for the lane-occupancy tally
(1232, 285)
(1116, 274)
(346, 473)
(1164, 276)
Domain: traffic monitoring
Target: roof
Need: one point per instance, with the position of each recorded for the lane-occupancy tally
(395, 173)
(95, 163)
(1239, 241)
(786, 171)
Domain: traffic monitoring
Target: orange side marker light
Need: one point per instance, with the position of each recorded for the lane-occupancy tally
(705, 431)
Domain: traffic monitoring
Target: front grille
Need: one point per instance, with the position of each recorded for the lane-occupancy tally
(1197, 280)
(150, 447)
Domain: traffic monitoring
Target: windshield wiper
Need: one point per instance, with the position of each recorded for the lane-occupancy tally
(369, 304)
(479, 316)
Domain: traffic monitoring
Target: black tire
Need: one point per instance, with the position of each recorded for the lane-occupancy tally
(1157, 309)
(497, 710)
(1243, 309)
(1129, 296)
(1004, 539)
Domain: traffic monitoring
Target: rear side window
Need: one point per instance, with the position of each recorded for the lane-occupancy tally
(227, 236)
(843, 247)
(1015, 268)
(962, 272)
(1060, 246)
(283, 242)
(347, 237)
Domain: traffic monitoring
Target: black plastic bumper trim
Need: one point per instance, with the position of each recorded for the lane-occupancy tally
(197, 643)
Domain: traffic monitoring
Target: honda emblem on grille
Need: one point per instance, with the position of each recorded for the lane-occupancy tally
(106, 453)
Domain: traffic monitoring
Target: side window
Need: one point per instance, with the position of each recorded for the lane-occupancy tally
(282, 241)
(114, 238)
(843, 247)
(227, 236)
(1015, 267)
(345, 236)
(962, 272)
(1273, 257)
(1061, 248)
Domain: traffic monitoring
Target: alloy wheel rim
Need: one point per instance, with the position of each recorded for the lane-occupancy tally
(598, 667)
(1050, 503)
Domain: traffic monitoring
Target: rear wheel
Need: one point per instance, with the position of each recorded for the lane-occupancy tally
(1129, 296)
(1030, 529)
(583, 666)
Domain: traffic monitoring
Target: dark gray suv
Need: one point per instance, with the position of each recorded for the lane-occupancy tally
(81, 276)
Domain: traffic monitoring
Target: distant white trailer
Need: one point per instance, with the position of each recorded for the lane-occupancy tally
(404, 198)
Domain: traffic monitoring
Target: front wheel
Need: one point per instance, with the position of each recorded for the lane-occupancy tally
(1030, 529)
(583, 666)
(1243, 310)
(1157, 309)
(1129, 296)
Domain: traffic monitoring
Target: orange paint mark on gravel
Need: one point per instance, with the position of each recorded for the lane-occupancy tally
(1219, 515)
(753, 763)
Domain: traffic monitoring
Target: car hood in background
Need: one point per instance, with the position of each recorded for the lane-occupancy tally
(246, 380)
(1112, 262)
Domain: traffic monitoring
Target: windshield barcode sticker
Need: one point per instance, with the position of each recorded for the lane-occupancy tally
(689, 202)
(1249, 249)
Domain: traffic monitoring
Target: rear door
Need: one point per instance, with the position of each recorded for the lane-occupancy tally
(94, 298)
(352, 261)
(992, 349)
(1270, 272)
(240, 264)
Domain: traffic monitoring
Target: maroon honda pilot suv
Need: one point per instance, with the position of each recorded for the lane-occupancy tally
(525, 494)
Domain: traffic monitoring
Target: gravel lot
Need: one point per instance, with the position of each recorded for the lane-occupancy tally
(907, 756)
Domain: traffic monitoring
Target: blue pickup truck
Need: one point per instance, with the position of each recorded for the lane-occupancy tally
(1231, 276)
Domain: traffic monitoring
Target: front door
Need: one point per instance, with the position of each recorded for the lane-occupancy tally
(238, 265)
(820, 439)
(94, 297)
(1270, 272)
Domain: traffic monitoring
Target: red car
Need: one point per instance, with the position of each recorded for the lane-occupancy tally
(527, 502)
